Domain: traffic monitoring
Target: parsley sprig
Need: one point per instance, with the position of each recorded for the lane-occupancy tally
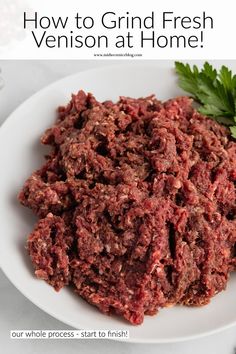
(214, 90)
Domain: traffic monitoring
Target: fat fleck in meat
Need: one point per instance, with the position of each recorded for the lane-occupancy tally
(136, 205)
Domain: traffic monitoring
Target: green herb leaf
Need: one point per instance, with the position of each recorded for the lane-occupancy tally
(214, 90)
(233, 131)
(187, 77)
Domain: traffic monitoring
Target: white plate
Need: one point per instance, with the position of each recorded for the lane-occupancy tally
(20, 154)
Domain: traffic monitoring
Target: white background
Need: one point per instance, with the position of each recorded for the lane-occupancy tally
(22, 79)
(16, 43)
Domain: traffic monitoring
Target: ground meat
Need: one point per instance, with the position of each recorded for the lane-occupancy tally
(49, 246)
(136, 205)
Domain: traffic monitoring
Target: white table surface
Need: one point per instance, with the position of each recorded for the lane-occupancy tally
(21, 80)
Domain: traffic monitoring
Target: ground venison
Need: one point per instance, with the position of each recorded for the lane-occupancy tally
(136, 204)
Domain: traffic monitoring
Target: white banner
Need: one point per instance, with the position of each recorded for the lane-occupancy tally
(42, 29)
